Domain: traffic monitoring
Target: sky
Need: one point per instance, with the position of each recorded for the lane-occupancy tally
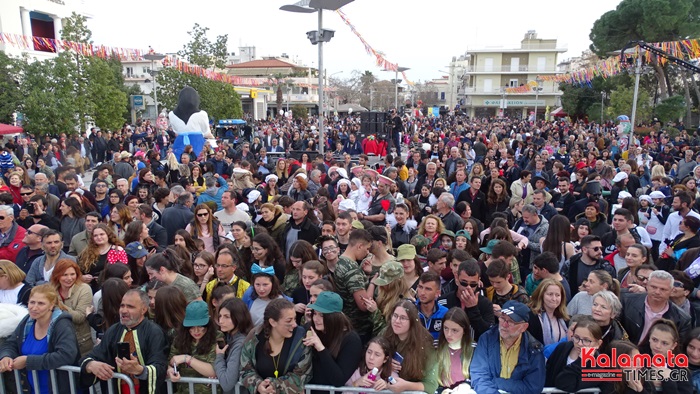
(421, 35)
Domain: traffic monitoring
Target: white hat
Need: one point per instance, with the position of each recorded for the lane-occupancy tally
(332, 169)
(357, 182)
(271, 176)
(620, 176)
(345, 181)
(646, 198)
(657, 194)
(243, 207)
(343, 173)
(301, 175)
(228, 235)
(253, 195)
(623, 194)
(346, 205)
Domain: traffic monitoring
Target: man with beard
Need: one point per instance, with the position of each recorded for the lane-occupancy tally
(42, 268)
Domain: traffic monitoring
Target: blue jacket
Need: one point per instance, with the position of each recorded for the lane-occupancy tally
(455, 190)
(433, 323)
(206, 196)
(527, 377)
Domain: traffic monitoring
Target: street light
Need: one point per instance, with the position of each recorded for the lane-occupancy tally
(396, 86)
(318, 37)
(154, 57)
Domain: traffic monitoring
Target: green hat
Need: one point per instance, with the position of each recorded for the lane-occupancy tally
(448, 233)
(488, 249)
(406, 252)
(327, 302)
(196, 314)
(463, 233)
(389, 272)
(357, 225)
(420, 241)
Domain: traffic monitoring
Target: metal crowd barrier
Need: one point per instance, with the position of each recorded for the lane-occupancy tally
(213, 382)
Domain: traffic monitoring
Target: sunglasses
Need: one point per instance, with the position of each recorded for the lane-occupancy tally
(675, 284)
(596, 248)
(201, 215)
(26, 194)
(467, 284)
(644, 278)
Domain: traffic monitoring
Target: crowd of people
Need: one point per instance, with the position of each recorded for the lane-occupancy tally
(479, 253)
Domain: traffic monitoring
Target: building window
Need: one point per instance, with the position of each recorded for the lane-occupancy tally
(442, 96)
(488, 85)
(541, 63)
(129, 72)
(513, 83)
(43, 27)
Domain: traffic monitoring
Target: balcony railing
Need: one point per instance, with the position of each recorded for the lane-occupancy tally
(480, 90)
(510, 69)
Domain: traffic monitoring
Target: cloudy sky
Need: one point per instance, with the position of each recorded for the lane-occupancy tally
(422, 35)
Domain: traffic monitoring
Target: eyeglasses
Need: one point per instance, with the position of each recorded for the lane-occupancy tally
(223, 265)
(27, 194)
(113, 196)
(595, 248)
(506, 321)
(201, 215)
(329, 249)
(200, 266)
(467, 284)
(675, 284)
(643, 278)
(400, 318)
(30, 232)
(582, 341)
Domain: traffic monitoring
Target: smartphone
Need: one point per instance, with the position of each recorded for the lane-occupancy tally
(123, 350)
(221, 342)
(398, 357)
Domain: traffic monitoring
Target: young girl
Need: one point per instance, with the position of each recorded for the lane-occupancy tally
(365, 195)
(455, 347)
(311, 271)
(265, 288)
(377, 355)
(564, 364)
(194, 348)
(645, 208)
(663, 339)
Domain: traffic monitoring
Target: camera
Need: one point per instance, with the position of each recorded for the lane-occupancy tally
(30, 208)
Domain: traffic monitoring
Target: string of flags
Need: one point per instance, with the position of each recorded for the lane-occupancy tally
(123, 54)
(381, 61)
(606, 68)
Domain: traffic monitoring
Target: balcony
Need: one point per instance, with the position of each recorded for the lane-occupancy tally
(497, 91)
(508, 69)
(299, 98)
(135, 77)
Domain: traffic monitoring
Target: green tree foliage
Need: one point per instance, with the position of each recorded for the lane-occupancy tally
(202, 51)
(106, 93)
(218, 99)
(10, 92)
(576, 100)
(621, 104)
(300, 112)
(49, 96)
(670, 109)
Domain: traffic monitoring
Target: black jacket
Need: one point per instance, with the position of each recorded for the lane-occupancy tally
(566, 377)
(307, 231)
(476, 202)
(335, 371)
(633, 316)
(481, 316)
(570, 271)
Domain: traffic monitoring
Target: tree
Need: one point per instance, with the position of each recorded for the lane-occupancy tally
(75, 29)
(646, 20)
(10, 92)
(621, 104)
(107, 94)
(280, 83)
(671, 109)
(300, 112)
(202, 52)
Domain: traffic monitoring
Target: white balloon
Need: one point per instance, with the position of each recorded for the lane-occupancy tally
(349, 110)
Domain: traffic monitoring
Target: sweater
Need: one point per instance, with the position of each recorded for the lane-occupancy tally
(335, 371)
(228, 366)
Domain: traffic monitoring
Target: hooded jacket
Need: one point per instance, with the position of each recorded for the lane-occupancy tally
(10, 246)
(214, 193)
(600, 227)
(569, 271)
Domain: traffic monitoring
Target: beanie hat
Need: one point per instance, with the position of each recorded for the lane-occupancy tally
(6, 161)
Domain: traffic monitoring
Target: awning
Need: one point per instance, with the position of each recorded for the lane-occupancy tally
(559, 113)
(8, 129)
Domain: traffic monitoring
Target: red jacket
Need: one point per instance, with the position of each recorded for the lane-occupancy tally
(10, 247)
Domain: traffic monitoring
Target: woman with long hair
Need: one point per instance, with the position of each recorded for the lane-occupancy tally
(661, 340)
(311, 271)
(44, 340)
(497, 199)
(165, 267)
(390, 289)
(103, 248)
(119, 218)
(77, 297)
(72, 220)
(193, 351)
(184, 239)
(471, 227)
(105, 311)
(431, 227)
(636, 256)
(409, 337)
(455, 347)
(205, 227)
(203, 269)
(13, 290)
(169, 307)
(515, 210)
(689, 238)
(235, 323)
(197, 180)
(30, 166)
(299, 253)
(336, 349)
(137, 231)
(692, 349)
(267, 253)
(281, 171)
(112, 271)
(264, 287)
(548, 315)
(558, 239)
(378, 355)
(273, 357)
(115, 197)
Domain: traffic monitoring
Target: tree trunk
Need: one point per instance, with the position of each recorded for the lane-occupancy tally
(688, 102)
(279, 100)
(661, 78)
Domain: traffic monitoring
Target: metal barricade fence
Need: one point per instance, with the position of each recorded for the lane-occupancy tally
(72, 371)
(192, 381)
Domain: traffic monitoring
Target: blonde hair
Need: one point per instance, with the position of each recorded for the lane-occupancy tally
(13, 273)
(537, 300)
(440, 225)
(658, 170)
(51, 294)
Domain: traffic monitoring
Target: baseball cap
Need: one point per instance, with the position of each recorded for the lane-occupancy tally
(517, 311)
(488, 249)
(388, 273)
(196, 314)
(406, 252)
(136, 250)
(327, 302)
